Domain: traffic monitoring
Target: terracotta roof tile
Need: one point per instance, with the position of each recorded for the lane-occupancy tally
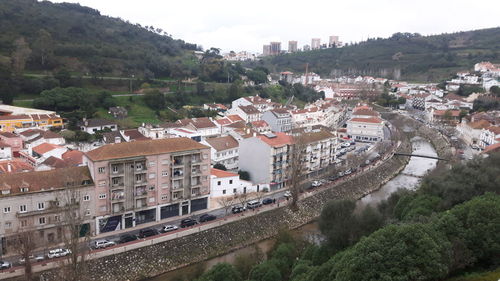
(249, 109)
(135, 135)
(16, 166)
(143, 148)
(281, 139)
(73, 157)
(45, 180)
(222, 143)
(222, 174)
(235, 118)
(367, 120)
(45, 147)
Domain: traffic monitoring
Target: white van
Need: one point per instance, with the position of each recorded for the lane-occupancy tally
(253, 204)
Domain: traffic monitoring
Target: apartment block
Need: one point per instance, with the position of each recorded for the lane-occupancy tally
(43, 203)
(146, 181)
(265, 157)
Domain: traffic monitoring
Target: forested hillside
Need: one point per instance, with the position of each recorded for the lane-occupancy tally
(404, 55)
(44, 36)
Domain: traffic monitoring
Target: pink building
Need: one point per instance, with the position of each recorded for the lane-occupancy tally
(145, 181)
(15, 141)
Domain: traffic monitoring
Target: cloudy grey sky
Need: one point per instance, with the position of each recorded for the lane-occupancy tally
(247, 25)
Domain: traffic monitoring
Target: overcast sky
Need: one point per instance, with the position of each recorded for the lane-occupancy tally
(247, 25)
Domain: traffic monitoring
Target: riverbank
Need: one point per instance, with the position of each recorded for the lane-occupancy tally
(156, 259)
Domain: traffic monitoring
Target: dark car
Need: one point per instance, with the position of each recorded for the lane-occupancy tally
(188, 222)
(237, 209)
(127, 238)
(207, 217)
(267, 201)
(143, 233)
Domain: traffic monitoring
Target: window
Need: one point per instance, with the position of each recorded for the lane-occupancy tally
(57, 218)
(6, 210)
(138, 177)
(205, 156)
(152, 163)
(204, 167)
(87, 212)
(41, 220)
(204, 178)
(234, 190)
(23, 209)
(102, 196)
(230, 181)
(152, 175)
(8, 224)
(115, 168)
(24, 189)
(164, 173)
(101, 170)
(224, 191)
(102, 183)
(218, 183)
(86, 197)
(24, 223)
(164, 185)
(103, 209)
(152, 187)
(116, 181)
(174, 196)
(151, 199)
(41, 205)
(164, 162)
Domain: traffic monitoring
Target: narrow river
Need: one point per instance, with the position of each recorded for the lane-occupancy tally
(409, 178)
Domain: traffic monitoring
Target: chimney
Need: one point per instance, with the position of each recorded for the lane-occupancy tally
(9, 167)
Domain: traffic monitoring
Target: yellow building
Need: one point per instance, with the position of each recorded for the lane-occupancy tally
(9, 123)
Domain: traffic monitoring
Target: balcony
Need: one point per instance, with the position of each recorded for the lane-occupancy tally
(178, 173)
(140, 192)
(178, 161)
(140, 203)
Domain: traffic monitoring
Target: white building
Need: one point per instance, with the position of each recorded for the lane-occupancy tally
(5, 151)
(91, 126)
(223, 183)
(265, 158)
(489, 136)
(248, 113)
(366, 129)
(223, 150)
(470, 132)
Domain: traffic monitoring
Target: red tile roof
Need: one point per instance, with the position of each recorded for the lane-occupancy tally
(135, 135)
(492, 148)
(222, 143)
(3, 144)
(45, 147)
(454, 113)
(222, 174)
(16, 166)
(281, 139)
(494, 129)
(367, 120)
(235, 118)
(73, 157)
(259, 124)
(143, 148)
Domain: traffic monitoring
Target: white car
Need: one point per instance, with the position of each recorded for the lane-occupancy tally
(168, 228)
(316, 183)
(32, 259)
(287, 194)
(5, 265)
(103, 243)
(57, 253)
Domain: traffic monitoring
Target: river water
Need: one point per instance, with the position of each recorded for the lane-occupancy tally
(409, 178)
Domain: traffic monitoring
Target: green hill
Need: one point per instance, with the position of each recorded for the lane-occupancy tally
(403, 56)
(44, 36)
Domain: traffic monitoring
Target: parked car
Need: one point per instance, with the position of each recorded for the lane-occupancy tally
(345, 144)
(188, 222)
(127, 238)
(207, 217)
(287, 194)
(237, 209)
(348, 172)
(267, 201)
(32, 259)
(147, 232)
(315, 183)
(333, 178)
(103, 243)
(168, 228)
(253, 204)
(5, 265)
(57, 253)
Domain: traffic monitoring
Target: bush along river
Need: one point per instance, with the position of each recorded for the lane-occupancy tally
(409, 178)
